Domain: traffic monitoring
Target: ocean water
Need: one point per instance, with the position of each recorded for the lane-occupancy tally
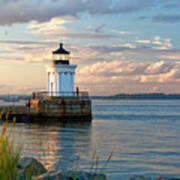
(144, 137)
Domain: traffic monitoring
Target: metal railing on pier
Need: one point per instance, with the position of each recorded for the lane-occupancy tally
(42, 94)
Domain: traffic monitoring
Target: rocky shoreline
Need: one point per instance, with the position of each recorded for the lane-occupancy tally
(29, 168)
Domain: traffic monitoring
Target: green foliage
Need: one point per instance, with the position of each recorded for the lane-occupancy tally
(9, 155)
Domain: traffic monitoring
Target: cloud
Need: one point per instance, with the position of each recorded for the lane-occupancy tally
(144, 41)
(55, 28)
(159, 67)
(27, 51)
(97, 29)
(20, 59)
(155, 48)
(19, 42)
(120, 75)
(171, 5)
(142, 17)
(13, 89)
(24, 11)
(162, 43)
(113, 48)
(167, 18)
(172, 76)
(40, 51)
(131, 6)
(111, 77)
(158, 43)
(126, 68)
(175, 56)
(106, 68)
(121, 32)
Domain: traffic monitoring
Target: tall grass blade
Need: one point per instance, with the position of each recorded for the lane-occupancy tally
(106, 163)
(9, 155)
(92, 160)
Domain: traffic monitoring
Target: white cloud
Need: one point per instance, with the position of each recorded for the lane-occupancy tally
(50, 28)
(121, 32)
(144, 41)
(175, 56)
(162, 43)
(158, 43)
(55, 28)
(159, 67)
(110, 76)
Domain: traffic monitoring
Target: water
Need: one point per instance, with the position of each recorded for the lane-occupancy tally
(143, 136)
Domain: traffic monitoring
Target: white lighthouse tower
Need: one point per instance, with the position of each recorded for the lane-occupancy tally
(61, 74)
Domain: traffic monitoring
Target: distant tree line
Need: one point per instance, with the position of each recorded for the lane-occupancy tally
(140, 96)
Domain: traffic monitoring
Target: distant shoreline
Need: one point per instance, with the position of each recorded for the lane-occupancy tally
(139, 96)
(123, 96)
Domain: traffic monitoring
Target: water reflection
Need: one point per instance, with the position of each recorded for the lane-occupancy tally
(56, 145)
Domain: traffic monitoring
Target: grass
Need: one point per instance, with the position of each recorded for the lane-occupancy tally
(95, 163)
(95, 170)
(9, 155)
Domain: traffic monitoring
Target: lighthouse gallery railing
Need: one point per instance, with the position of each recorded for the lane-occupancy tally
(42, 94)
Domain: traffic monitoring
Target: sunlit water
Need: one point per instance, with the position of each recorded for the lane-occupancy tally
(144, 137)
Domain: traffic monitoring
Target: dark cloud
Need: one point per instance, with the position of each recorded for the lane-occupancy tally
(18, 11)
(99, 28)
(140, 51)
(171, 6)
(142, 17)
(129, 48)
(26, 45)
(22, 42)
(110, 49)
(168, 4)
(131, 6)
(167, 18)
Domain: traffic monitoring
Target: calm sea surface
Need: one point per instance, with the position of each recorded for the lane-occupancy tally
(144, 137)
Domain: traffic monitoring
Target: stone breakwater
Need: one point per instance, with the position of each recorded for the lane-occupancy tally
(60, 109)
(30, 167)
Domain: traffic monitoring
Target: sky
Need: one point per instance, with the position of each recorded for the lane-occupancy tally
(120, 46)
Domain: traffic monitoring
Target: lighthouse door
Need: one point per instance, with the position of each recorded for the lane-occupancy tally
(51, 88)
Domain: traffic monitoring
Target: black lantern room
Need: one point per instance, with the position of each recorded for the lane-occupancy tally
(61, 56)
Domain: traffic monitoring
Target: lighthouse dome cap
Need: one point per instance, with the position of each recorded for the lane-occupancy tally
(61, 50)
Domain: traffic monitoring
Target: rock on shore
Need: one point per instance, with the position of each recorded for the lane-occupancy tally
(71, 175)
(30, 167)
(149, 178)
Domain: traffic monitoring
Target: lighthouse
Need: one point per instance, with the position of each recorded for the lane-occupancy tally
(60, 103)
(61, 74)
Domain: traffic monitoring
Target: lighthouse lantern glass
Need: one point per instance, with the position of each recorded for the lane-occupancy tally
(60, 56)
